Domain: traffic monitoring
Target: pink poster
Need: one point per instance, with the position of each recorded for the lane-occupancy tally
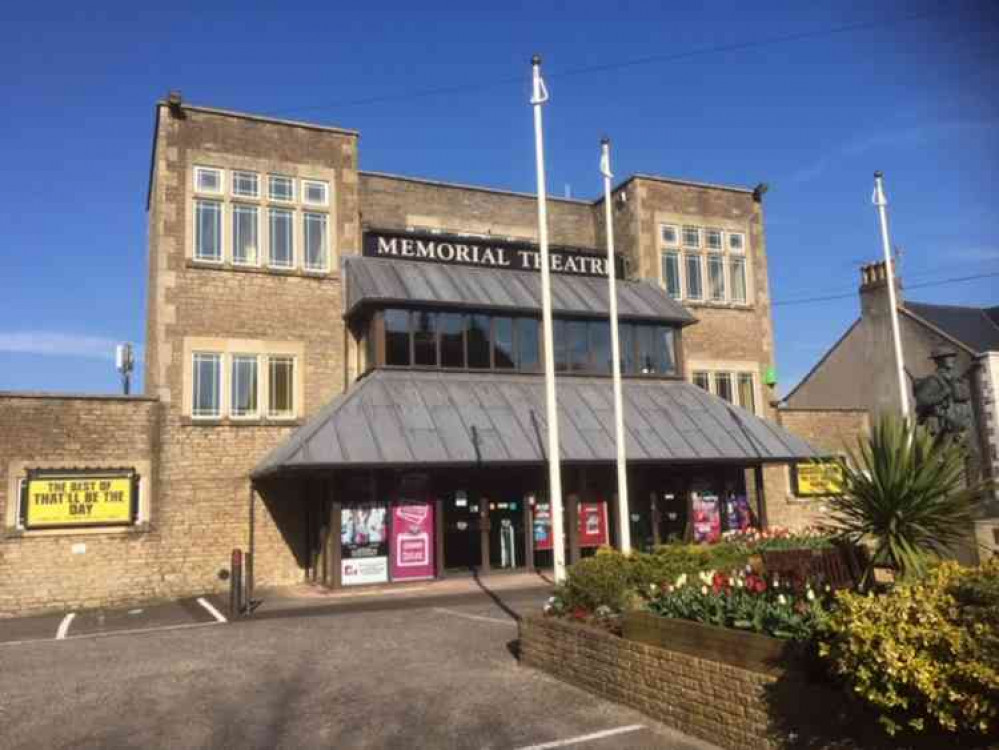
(412, 548)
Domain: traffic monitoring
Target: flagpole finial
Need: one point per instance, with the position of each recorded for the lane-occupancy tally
(878, 174)
(605, 141)
(535, 59)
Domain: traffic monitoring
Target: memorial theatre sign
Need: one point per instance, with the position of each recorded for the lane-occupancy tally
(485, 252)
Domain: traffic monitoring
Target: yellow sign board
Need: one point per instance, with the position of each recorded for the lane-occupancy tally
(78, 500)
(820, 478)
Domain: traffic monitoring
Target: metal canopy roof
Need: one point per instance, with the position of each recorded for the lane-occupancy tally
(411, 418)
(391, 281)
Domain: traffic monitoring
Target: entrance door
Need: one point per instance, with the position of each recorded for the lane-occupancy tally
(462, 541)
(506, 534)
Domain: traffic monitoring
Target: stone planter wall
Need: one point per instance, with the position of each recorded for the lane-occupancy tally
(726, 705)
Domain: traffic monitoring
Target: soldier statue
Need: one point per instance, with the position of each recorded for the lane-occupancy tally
(943, 399)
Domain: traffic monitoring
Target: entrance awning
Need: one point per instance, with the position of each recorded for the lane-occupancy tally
(388, 281)
(401, 418)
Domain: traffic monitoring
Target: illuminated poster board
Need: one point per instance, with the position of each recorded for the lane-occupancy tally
(85, 499)
(818, 479)
(364, 545)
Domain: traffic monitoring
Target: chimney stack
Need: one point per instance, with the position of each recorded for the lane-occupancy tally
(874, 277)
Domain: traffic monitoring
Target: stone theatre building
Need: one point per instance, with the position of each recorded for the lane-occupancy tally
(343, 376)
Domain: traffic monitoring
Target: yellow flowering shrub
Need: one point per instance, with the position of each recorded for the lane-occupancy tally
(918, 655)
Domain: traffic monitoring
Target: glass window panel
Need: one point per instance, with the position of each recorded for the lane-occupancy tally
(452, 328)
(281, 238)
(280, 188)
(314, 192)
(736, 242)
(478, 341)
(626, 334)
(600, 346)
(691, 237)
(208, 230)
(528, 344)
(716, 277)
(671, 274)
(723, 386)
(670, 235)
(244, 235)
(695, 287)
(702, 380)
(207, 180)
(665, 357)
(316, 241)
(245, 184)
(397, 338)
(747, 396)
(425, 338)
(737, 268)
(282, 386)
(646, 349)
(561, 345)
(713, 239)
(244, 385)
(207, 382)
(579, 351)
(503, 355)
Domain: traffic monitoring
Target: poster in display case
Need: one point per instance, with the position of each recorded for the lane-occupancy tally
(363, 545)
(412, 548)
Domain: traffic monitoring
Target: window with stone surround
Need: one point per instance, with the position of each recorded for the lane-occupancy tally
(208, 231)
(207, 400)
(736, 386)
(704, 265)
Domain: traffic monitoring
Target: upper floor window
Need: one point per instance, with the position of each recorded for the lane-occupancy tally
(245, 235)
(281, 386)
(208, 230)
(244, 385)
(207, 384)
(282, 238)
(208, 180)
(712, 265)
(480, 341)
(316, 240)
(738, 388)
(245, 184)
(315, 193)
(280, 188)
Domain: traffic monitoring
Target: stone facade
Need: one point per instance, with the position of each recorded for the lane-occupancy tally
(201, 504)
(41, 569)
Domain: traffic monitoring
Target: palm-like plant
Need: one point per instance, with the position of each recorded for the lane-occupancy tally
(905, 492)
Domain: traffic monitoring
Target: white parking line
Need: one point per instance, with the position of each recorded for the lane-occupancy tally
(479, 618)
(64, 626)
(111, 633)
(211, 610)
(585, 737)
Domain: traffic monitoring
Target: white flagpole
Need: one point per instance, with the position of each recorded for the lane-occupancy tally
(881, 202)
(624, 516)
(540, 96)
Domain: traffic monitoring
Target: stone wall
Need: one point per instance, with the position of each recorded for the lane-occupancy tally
(57, 568)
(721, 704)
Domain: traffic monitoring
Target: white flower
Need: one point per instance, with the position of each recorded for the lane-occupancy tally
(811, 595)
(704, 590)
(740, 583)
(681, 580)
(781, 599)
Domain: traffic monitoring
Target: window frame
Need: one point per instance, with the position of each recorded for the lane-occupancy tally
(718, 376)
(290, 212)
(699, 257)
(236, 209)
(325, 267)
(733, 259)
(220, 205)
(700, 236)
(234, 358)
(740, 377)
(714, 231)
(675, 242)
(305, 183)
(741, 250)
(202, 169)
(271, 177)
(195, 381)
(236, 174)
(719, 260)
(293, 412)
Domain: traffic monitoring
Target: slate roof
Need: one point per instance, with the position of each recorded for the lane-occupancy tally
(385, 281)
(405, 418)
(975, 327)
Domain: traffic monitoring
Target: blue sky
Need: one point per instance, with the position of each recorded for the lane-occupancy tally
(812, 117)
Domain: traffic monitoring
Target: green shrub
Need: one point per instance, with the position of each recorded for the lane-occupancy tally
(924, 654)
(595, 582)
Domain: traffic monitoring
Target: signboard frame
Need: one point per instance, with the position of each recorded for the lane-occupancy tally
(87, 474)
(795, 479)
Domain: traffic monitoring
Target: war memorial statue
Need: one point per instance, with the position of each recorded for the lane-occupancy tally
(943, 399)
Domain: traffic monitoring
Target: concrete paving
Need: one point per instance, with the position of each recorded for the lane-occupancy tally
(429, 675)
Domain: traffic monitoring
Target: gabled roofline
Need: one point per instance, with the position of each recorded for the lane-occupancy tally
(917, 318)
(822, 360)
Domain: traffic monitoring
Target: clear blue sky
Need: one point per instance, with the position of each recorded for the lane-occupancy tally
(813, 117)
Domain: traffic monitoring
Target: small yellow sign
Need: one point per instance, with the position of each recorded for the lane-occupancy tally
(78, 500)
(820, 478)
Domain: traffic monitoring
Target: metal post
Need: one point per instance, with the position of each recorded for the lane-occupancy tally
(882, 203)
(539, 97)
(235, 583)
(624, 536)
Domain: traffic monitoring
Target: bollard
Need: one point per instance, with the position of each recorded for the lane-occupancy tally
(236, 584)
(248, 583)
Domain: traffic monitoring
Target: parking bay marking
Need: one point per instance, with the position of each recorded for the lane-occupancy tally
(478, 618)
(64, 626)
(219, 617)
(585, 737)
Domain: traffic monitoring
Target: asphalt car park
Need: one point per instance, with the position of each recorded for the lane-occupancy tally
(431, 675)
